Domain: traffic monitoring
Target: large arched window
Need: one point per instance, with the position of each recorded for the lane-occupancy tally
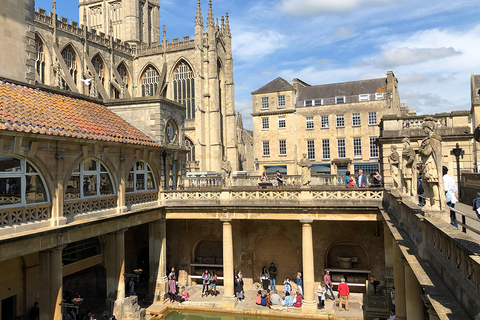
(20, 183)
(39, 59)
(191, 154)
(184, 88)
(70, 60)
(89, 179)
(99, 69)
(140, 178)
(150, 82)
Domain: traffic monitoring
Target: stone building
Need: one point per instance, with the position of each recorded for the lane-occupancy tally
(117, 45)
(475, 111)
(335, 125)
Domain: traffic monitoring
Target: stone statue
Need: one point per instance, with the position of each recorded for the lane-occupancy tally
(394, 160)
(306, 164)
(409, 174)
(431, 153)
(226, 172)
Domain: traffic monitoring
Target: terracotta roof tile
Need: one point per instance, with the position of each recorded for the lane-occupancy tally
(24, 109)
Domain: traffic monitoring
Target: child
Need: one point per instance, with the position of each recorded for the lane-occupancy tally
(184, 295)
(258, 299)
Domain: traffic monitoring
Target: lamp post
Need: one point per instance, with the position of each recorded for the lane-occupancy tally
(457, 152)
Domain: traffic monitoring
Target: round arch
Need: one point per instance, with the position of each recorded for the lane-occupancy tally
(141, 177)
(338, 255)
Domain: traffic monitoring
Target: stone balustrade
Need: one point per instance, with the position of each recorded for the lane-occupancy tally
(19, 215)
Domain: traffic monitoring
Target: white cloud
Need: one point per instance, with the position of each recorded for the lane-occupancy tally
(344, 31)
(256, 45)
(314, 7)
(403, 56)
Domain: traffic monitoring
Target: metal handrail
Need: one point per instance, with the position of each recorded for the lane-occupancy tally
(463, 223)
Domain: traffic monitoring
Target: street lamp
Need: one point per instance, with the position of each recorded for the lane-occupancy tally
(457, 152)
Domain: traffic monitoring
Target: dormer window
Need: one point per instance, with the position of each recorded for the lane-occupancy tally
(379, 96)
(340, 99)
(364, 97)
(308, 103)
(313, 102)
(318, 102)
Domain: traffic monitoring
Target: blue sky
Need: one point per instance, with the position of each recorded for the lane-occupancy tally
(431, 46)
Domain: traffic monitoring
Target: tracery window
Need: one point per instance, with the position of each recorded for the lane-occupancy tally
(184, 88)
(140, 178)
(70, 60)
(89, 178)
(150, 82)
(191, 154)
(122, 71)
(39, 59)
(20, 183)
(98, 65)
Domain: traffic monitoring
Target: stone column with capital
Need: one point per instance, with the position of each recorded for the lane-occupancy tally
(158, 260)
(309, 303)
(51, 278)
(228, 300)
(399, 281)
(413, 300)
(120, 263)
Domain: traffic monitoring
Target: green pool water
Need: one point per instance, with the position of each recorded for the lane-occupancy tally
(175, 315)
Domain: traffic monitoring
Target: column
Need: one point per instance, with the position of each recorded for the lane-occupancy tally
(309, 303)
(388, 247)
(51, 280)
(399, 282)
(120, 263)
(56, 282)
(160, 282)
(228, 300)
(109, 263)
(414, 302)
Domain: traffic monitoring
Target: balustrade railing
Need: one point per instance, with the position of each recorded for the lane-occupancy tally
(144, 197)
(30, 213)
(74, 207)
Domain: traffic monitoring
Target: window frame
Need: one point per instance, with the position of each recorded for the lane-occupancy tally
(323, 122)
(309, 123)
(364, 97)
(374, 148)
(281, 102)
(341, 147)
(280, 118)
(340, 98)
(356, 120)
(340, 118)
(265, 103)
(266, 147)
(379, 95)
(280, 147)
(146, 170)
(82, 173)
(357, 147)
(265, 124)
(325, 146)
(311, 150)
(309, 104)
(370, 118)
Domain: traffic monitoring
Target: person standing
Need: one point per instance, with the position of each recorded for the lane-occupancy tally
(287, 286)
(321, 293)
(361, 179)
(34, 312)
(344, 293)
(451, 188)
(328, 284)
(377, 179)
(213, 283)
(299, 283)
(476, 205)
(131, 287)
(279, 179)
(206, 283)
(238, 288)
(273, 276)
(264, 277)
(172, 285)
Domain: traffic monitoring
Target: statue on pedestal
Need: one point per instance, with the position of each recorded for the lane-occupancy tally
(226, 172)
(409, 174)
(431, 153)
(306, 164)
(394, 160)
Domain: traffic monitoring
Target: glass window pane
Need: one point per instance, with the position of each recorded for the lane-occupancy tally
(106, 186)
(77, 168)
(35, 190)
(92, 165)
(140, 181)
(73, 188)
(8, 164)
(140, 165)
(11, 191)
(150, 181)
(102, 168)
(30, 169)
(90, 186)
(130, 183)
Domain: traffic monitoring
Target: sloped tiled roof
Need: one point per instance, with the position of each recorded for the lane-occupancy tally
(343, 89)
(278, 84)
(25, 109)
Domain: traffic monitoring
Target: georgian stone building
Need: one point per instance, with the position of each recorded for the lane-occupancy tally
(117, 45)
(335, 125)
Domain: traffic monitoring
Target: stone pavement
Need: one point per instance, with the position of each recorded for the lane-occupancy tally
(248, 307)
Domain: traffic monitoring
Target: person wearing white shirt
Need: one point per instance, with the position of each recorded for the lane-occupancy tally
(451, 188)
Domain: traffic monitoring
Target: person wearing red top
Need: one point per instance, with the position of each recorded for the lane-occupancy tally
(344, 293)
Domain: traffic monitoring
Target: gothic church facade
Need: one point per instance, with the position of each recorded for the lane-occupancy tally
(117, 55)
